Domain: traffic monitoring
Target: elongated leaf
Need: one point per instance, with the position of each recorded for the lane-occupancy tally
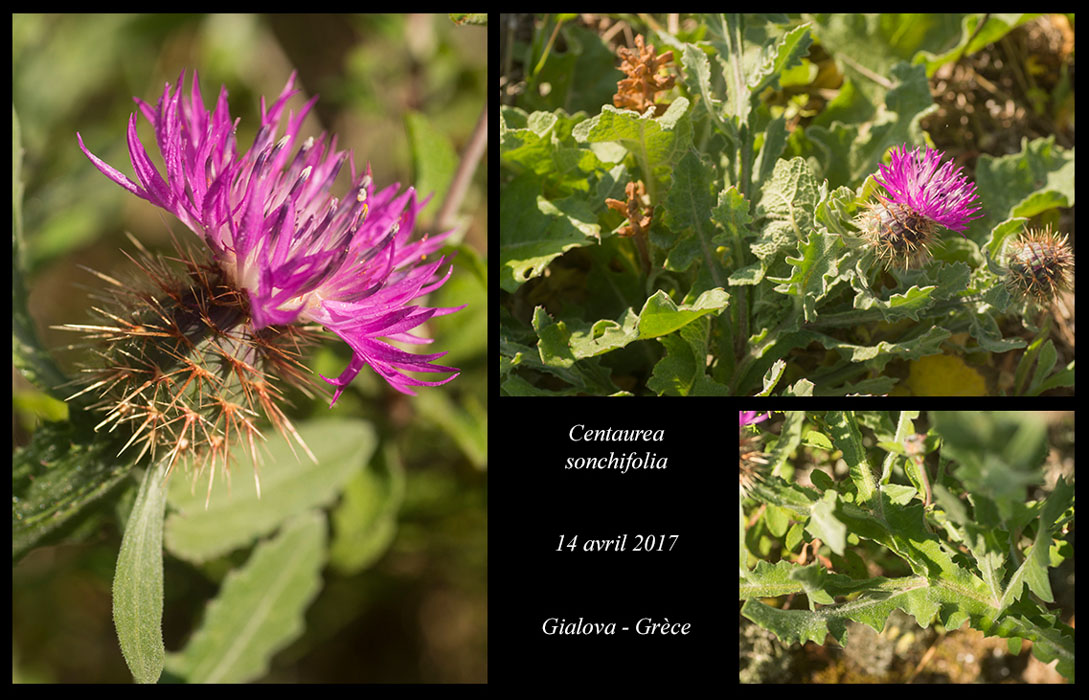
(290, 485)
(63, 470)
(259, 609)
(1037, 563)
(787, 52)
(697, 76)
(789, 200)
(770, 581)
(824, 524)
(925, 600)
(846, 436)
(138, 581)
(562, 344)
(365, 522)
(687, 211)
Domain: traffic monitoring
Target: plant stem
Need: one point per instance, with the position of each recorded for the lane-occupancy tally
(472, 154)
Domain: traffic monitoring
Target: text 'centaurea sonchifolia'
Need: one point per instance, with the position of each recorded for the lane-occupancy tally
(281, 252)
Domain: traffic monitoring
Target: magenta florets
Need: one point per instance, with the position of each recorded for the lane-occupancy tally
(751, 418)
(918, 179)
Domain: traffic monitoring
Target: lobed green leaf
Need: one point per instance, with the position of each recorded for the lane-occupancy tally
(260, 607)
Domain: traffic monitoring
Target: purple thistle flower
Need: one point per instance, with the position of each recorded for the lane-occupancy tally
(751, 418)
(272, 226)
(921, 183)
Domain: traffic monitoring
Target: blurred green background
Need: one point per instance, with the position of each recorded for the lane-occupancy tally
(404, 93)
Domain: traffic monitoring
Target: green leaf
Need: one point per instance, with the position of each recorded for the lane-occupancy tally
(1002, 231)
(879, 355)
(1009, 186)
(562, 343)
(63, 470)
(1036, 564)
(290, 485)
(847, 438)
(777, 520)
(697, 77)
(1062, 378)
(731, 212)
(817, 439)
(824, 524)
(535, 231)
(526, 141)
(682, 371)
(794, 536)
(260, 607)
(661, 316)
(819, 478)
(434, 160)
(687, 212)
(815, 272)
(997, 26)
(656, 142)
(769, 581)
(365, 522)
(787, 52)
(940, 282)
(789, 200)
(138, 581)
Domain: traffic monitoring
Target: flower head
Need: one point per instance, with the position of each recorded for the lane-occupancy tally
(938, 191)
(922, 196)
(271, 225)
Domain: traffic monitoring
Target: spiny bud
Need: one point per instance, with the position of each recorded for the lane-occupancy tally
(897, 235)
(1039, 264)
(182, 371)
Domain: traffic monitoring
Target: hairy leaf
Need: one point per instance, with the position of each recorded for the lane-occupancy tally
(259, 609)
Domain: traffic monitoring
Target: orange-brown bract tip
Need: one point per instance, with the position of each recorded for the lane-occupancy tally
(183, 373)
(898, 236)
